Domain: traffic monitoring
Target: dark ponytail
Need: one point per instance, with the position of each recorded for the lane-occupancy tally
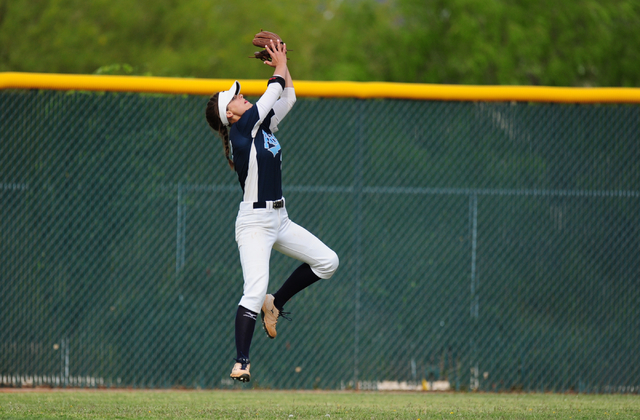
(216, 125)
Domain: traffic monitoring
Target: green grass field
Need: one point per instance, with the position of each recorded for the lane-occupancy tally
(259, 404)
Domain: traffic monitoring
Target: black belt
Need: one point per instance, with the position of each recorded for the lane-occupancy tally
(278, 204)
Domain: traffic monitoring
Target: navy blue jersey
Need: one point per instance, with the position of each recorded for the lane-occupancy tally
(258, 160)
(257, 154)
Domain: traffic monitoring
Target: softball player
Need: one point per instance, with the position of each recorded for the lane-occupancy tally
(262, 222)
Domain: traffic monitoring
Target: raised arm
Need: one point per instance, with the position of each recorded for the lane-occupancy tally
(274, 90)
(288, 98)
(276, 84)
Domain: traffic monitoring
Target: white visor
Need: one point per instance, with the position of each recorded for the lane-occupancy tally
(223, 100)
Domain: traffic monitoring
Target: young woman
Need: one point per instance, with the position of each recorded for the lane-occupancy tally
(262, 223)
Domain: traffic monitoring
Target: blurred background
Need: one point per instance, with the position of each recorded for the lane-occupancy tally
(526, 42)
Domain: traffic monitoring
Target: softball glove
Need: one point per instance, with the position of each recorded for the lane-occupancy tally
(262, 39)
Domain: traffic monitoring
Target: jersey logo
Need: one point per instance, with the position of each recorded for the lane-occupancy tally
(271, 143)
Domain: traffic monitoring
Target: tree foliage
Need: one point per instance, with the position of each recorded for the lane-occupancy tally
(576, 43)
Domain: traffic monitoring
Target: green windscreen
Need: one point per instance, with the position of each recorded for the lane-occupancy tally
(490, 246)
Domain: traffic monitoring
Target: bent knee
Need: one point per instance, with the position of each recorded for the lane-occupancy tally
(328, 267)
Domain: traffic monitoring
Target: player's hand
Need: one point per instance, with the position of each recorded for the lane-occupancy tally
(278, 53)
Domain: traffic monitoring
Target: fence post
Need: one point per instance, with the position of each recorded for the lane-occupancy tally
(473, 230)
(358, 195)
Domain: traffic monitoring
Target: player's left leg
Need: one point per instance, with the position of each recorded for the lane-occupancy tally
(273, 306)
(295, 241)
(319, 262)
(301, 278)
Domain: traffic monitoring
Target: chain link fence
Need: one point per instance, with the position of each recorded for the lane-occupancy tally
(483, 246)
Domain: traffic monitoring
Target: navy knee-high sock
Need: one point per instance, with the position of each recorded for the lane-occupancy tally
(301, 278)
(245, 325)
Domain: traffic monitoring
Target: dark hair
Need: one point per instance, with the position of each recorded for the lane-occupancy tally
(213, 118)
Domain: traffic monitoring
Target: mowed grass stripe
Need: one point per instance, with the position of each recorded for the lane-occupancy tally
(260, 404)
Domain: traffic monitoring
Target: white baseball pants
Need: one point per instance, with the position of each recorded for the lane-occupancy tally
(260, 230)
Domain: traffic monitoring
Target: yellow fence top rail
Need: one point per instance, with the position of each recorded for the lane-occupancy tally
(362, 90)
